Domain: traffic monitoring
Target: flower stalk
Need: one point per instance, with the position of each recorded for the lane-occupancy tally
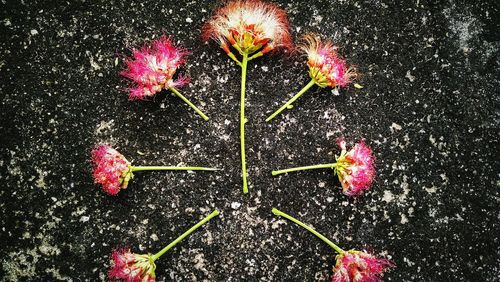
(192, 168)
(243, 120)
(308, 228)
(184, 235)
(319, 166)
(288, 105)
(198, 111)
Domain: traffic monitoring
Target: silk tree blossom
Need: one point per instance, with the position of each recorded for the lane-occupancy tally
(355, 168)
(326, 68)
(357, 266)
(152, 69)
(352, 265)
(253, 28)
(113, 171)
(131, 267)
(249, 26)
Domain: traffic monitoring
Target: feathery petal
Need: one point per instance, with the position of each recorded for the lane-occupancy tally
(357, 266)
(152, 68)
(131, 267)
(110, 169)
(325, 67)
(249, 26)
(355, 168)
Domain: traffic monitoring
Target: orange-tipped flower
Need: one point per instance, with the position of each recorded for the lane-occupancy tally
(325, 67)
(249, 26)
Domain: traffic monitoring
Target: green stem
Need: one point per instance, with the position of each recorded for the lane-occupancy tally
(256, 55)
(332, 165)
(330, 243)
(164, 250)
(232, 56)
(143, 168)
(176, 92)
(243, 120)
(290, 102)
(235, 46)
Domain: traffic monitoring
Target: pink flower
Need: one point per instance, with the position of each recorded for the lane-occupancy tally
(152, 68)
(131, 267)
(355, 168)
(356, 266)
(111, 169)
(249, 26)
(325, 67)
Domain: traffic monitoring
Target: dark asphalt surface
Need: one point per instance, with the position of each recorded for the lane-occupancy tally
(429, 109)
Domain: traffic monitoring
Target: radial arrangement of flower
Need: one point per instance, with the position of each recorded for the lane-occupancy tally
(245, 30)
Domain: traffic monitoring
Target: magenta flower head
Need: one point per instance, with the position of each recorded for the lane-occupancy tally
(130, 267)
(356, 266)
(111, 169)
(249, 26)
(152, 68)
(325, 67)
(355, 168)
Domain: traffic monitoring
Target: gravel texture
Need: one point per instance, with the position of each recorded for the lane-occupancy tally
(429, 109)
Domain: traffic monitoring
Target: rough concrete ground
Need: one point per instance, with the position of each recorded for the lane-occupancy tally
(429, 109)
